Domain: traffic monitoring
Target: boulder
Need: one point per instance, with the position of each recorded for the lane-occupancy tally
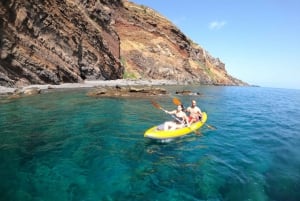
(31, 91)
(126, 91)
(188, 92)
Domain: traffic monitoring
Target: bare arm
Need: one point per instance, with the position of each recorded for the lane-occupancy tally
(199, 111)
(187, 120)
(170, 112)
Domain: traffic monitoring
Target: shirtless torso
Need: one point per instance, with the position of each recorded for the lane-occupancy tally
(195, 113)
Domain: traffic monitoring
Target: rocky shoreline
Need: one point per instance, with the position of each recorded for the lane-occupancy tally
(35, 89)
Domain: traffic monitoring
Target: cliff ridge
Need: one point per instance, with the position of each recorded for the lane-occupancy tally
(68, 41)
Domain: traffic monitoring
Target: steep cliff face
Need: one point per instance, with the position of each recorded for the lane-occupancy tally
(57, 41)
(152, 47)
(71, 40)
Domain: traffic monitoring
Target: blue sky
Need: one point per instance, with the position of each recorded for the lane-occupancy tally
(258, 40)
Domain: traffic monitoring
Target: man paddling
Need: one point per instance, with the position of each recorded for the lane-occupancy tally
(195, 113)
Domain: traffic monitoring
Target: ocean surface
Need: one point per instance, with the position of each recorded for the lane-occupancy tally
(64, 145)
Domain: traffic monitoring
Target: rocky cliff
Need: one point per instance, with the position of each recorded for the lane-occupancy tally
(58, 41)
(72, 40)
(153, 47)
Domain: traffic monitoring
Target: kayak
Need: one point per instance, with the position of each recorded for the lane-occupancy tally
(155, 133)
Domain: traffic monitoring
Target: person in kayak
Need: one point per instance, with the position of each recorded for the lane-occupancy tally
(195, 113)
(180, 119)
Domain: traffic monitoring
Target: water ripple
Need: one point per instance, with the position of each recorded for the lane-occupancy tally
(67, 146)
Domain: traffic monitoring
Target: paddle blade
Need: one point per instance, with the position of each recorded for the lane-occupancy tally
(156, 105)
(176, 101)
(197, 132)
(211, 127)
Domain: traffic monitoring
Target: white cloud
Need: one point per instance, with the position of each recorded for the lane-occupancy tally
(215, 25)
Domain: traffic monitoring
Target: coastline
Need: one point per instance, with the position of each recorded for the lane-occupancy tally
(90, 84)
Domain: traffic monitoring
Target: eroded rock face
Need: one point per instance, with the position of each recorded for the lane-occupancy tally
(53, 42)
(153, 47)
(57, 41)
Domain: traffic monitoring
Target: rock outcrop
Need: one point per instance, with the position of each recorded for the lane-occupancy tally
(121, 91)
(54, 42)
(153, 47)
(58, 41)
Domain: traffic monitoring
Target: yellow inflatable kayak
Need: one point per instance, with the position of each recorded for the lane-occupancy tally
(154, 133)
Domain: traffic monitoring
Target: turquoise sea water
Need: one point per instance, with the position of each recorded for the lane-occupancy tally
(68, 146)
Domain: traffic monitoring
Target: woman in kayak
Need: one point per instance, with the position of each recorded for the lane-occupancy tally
(180, 119)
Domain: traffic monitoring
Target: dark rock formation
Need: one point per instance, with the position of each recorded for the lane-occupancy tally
(57, 41)
(118, 91)
(188, 92)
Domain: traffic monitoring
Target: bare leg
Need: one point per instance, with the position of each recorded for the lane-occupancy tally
(169, 125)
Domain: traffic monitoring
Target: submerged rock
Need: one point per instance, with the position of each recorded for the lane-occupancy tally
(31, 91)
(18, 93)
(188, 92)
(126, 91)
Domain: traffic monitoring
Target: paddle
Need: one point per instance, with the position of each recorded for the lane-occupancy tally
(156, 105)
(176, 101)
